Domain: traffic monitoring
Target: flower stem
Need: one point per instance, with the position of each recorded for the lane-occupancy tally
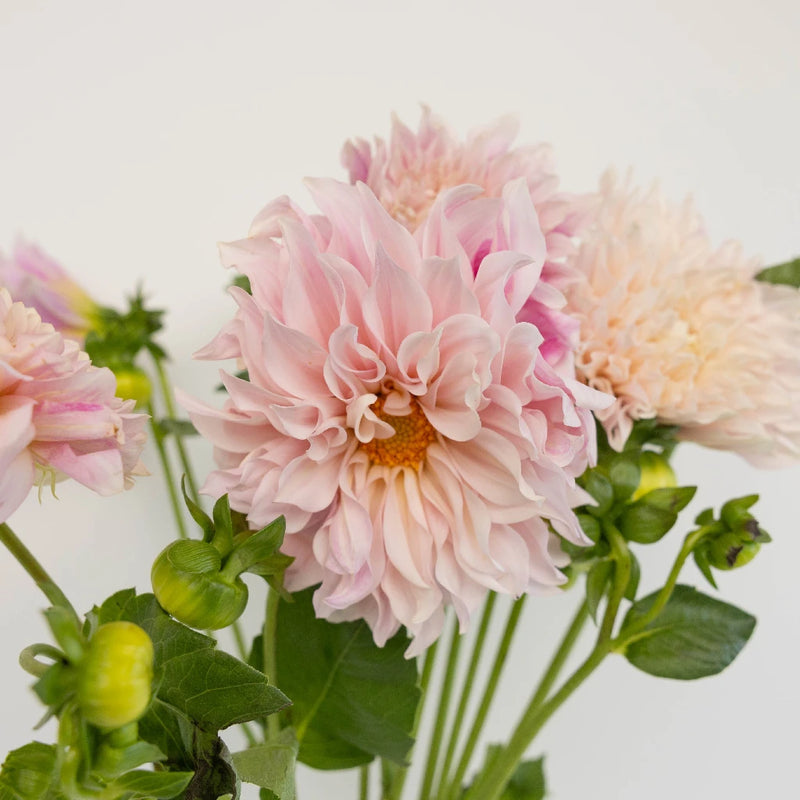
(559, 658)
(166, 391)
(466, 689)
(30, 564)
(363, 793)
(441, 714)
(169, 477)
(488, 696)
(399, 776)
(491, 783)
(270, 666)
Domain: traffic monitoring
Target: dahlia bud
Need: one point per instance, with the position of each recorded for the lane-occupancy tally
(656, 473)
(115, 676)
(189, 583)
(734, 549)
(133, 384)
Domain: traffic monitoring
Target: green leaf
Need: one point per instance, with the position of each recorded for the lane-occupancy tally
(111, 762)
(198, 515)
(624, 474)
(145, 784)
(591, 526)
(214, 775)
(223, 526)
(787, 274)
(257, 546)
(596, 582)
(527, 782)
(271, 765)
(210, 687)
(171, 731)
(352, 699)
(644, 523)
(673, 499)
(600, 488)
(694, 635)
(177, 427)
(633, 581)
(28, 772)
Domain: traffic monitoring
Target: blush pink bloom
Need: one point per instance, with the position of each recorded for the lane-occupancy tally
(58, 413)
(397, 413)
(34, 278)
(682, 332)
(409, 172)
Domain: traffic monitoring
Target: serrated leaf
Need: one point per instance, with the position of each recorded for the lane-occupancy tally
(596, 582)
(270, 765)
(787, 274)
(28, 772)
(352, 699)
(693, 637)
(146, 784)
(210, 687)
(645, 523)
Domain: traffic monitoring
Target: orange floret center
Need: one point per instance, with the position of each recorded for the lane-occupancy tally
(412, 435)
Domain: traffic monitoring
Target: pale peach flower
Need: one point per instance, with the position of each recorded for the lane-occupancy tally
(681, 331)
(33, 277)
(409, 172)
(58, 413)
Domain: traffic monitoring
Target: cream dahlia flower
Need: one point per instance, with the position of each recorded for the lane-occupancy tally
(682, 332)
(409, 172)
(34, 278)
(397, 412)
(58, 413)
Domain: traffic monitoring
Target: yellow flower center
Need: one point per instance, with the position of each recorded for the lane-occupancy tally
(412, 435)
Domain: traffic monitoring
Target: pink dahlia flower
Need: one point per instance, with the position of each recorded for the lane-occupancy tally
(58, 414)
(397, 413)
(34, 278)
(680, 331)
(408, 174)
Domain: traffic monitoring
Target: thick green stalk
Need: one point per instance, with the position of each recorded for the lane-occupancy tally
(31, 565)
(401, 773)
(466, 689)
(363, 792)
(560, 656)
(166, 391)
(441, 714)
(486, 700)
(169, 477)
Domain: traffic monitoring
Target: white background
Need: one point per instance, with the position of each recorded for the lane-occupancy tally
(133, 136)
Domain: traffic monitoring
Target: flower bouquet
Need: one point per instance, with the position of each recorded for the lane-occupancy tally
(454, 382)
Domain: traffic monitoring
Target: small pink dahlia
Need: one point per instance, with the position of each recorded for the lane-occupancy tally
(34, 278)
(677, 330)
(408, 174)
(58, 413)
(397, 412)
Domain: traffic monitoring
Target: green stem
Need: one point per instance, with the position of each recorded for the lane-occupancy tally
(40, 576)
(158, 438)
(166, 391)
(270, 666)
(239, 640)
(664, 595)
(559, 658)
(399, 779)
(441, 714)
(466, 689)
(488, 696)
(490, 785)
(363, 793)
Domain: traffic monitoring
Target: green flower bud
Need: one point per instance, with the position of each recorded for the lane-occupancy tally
(115, 676)
(189, 583)
(133, 384)
(734, 549)
(656, 473)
